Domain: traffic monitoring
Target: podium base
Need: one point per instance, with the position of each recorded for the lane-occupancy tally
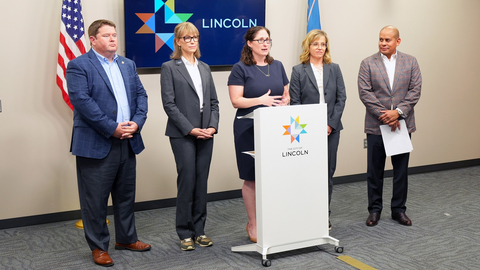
(288, 246)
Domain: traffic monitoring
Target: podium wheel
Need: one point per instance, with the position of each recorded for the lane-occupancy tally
(339, 249)
(266, 263)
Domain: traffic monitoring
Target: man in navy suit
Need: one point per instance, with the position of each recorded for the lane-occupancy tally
(110, 110)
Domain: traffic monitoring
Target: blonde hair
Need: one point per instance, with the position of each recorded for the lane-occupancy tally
(309, 39)
(181, 28)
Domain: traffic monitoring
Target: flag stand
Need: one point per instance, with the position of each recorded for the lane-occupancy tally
(79, 223)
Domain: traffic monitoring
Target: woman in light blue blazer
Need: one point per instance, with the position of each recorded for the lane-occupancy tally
(318, 80)
(190, 101)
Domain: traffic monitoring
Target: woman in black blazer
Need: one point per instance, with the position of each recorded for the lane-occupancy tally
(190, 101)
(318, 80)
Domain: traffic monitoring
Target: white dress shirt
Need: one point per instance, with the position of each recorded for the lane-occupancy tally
(194, 73)
(319, 78)
(390, 66)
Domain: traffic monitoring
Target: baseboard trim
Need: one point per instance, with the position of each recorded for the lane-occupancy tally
(225, 195)
(412, 170)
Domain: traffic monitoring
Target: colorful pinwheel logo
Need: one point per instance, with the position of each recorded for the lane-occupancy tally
(295, 129)
(170, 18)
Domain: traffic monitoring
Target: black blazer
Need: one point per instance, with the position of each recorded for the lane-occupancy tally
(304, 90)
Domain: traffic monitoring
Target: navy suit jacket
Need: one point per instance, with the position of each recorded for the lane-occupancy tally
(181, 102)
(304, 90)
(95, 106)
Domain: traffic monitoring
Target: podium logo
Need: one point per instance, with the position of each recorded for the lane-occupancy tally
(170, 17)
(295, 129)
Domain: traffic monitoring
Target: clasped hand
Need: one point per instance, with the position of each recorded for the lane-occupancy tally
(125, 130)
(390, 118)
(202, 133)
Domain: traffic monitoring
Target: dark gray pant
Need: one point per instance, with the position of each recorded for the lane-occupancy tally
(333, 141)
(192, 157)
(97, 178)
(375, 170)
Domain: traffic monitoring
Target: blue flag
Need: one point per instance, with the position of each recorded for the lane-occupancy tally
(313, 15)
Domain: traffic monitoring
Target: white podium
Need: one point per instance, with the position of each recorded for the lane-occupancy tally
(291, 171)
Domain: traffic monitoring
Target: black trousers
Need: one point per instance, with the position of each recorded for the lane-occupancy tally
(97, 178)
(333, 141)
(192, 157)
(375, 171)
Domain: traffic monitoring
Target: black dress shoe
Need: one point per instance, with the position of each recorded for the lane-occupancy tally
(373, 219)
(402, 218)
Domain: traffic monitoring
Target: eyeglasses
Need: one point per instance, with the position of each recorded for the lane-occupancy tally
(261, 41)
(321, 45)
(189, 38)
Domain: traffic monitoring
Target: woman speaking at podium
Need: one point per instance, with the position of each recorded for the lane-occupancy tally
(318, 80)
(190, 101)
(256, 81)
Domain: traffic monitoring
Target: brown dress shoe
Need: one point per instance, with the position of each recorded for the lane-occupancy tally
(101, 257)
(373, 219)
(137, 246)
(402, 218)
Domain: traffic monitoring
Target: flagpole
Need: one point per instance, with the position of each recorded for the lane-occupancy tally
(72, 44)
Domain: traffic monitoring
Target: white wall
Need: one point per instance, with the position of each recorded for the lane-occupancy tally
(37, 172)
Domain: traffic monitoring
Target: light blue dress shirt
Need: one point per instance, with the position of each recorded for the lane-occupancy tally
(116, 80)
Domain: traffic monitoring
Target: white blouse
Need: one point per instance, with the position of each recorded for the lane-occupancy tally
(319, 78)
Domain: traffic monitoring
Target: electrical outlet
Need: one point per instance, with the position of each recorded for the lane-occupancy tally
(364, 143)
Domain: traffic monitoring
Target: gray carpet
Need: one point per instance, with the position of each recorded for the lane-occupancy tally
(444, 208)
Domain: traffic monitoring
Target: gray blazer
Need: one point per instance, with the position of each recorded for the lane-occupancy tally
(304, 90)
(375, 93)
(181, 102)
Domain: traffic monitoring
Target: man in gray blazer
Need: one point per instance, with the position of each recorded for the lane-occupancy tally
(389, 84)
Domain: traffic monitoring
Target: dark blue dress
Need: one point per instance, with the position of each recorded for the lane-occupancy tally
(255, 84)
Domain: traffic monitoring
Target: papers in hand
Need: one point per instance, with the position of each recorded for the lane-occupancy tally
(398, 141)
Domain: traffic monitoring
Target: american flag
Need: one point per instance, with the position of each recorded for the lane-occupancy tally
(72, 41)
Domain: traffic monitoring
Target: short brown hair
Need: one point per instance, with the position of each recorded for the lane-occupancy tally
(179, 30)
(93, 28)
(309, 39)
(247, 56)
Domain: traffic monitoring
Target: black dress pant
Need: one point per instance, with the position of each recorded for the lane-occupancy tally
(97, 178)
(333, 141)
(192, 157)
(375, 171)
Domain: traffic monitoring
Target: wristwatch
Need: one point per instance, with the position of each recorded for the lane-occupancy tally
(399, 112)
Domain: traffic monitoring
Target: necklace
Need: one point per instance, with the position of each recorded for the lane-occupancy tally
(268, 72)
